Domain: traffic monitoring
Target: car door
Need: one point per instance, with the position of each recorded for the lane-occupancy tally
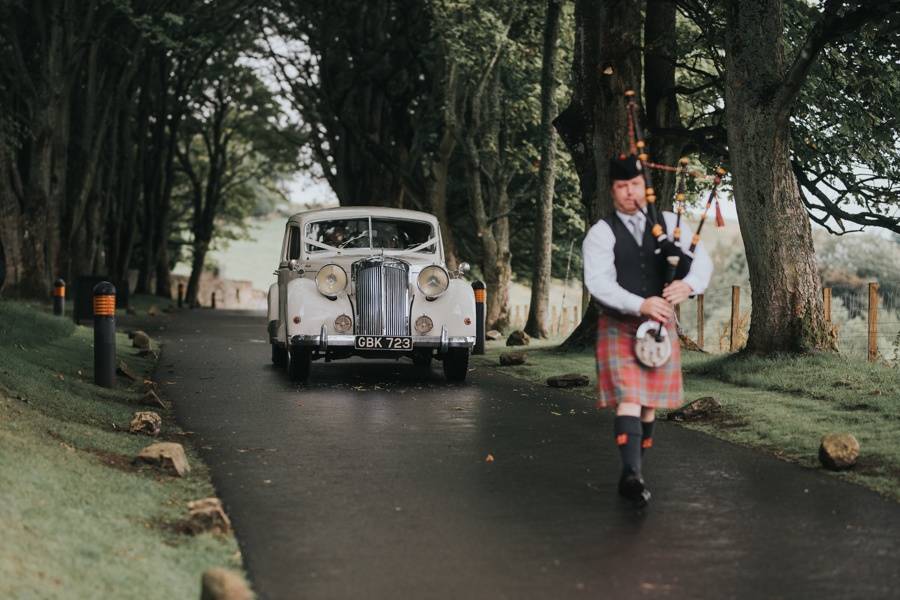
(290, 251)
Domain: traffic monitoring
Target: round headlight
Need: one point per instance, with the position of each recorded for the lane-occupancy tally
(343, 324)
(330, 280)
(424, 324)
(433, 281)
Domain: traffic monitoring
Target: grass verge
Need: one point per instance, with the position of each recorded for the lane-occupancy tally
(782, 405)
(77, 519)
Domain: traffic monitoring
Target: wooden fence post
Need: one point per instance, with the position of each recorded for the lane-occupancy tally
(826, 303)
(554, 321)
(873, 321)
(735, 315)
(700, 320)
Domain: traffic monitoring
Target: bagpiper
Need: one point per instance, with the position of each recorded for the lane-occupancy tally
(626, 274)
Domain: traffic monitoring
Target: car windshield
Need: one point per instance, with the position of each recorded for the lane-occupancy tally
(383, 233)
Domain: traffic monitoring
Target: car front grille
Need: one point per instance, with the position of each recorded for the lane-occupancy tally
(382, 295)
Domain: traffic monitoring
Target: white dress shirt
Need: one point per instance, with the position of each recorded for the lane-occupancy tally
(600, 267)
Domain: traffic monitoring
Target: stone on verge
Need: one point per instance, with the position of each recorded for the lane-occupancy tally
(153, 310)
(509, 359)
(838, 451)
(207, 515)
(568, 380)
(166, 455)
(221, 584)
(150, 398)
(124, 370)
(140, 340)
(492, 335)
(701, 408)
(151, 386)
(146, 422)
(518, 338)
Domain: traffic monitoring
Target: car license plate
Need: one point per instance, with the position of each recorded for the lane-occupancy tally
(383, 342)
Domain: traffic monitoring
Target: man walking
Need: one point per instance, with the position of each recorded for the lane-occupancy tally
(627, 279)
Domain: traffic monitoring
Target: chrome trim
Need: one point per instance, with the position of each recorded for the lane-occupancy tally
(323, 339)
(381, 287)
(423, 341)
(445, 339)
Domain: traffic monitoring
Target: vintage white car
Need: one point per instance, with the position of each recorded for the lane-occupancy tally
(371, 282)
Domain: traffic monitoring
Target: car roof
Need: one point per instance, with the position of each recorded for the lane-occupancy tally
(358, 211)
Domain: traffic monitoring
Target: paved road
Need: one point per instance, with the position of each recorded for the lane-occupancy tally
(372, 482)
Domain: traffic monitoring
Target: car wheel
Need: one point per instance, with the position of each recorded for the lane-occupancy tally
(422, 359)
(301, 360)
(279, 356)
(456, 364)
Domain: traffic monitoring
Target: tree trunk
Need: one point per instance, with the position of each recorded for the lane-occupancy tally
(787, 313)
(200, 248)
(536, 325)
(12, 262)
(660, 53)
(607, 62)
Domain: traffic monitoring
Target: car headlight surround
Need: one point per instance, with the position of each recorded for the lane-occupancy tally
(433, 281)
(331, 280)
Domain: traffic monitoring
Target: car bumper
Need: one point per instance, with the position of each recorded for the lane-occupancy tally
(325, 340)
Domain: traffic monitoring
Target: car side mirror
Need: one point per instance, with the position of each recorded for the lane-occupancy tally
(463, 268)
(294, 265)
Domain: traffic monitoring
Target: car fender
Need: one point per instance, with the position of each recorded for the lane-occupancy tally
(450, 309)
(313, 309)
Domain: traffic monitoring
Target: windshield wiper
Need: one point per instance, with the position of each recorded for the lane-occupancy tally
(354, 238)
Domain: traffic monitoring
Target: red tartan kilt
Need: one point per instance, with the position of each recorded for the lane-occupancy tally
(621, 378)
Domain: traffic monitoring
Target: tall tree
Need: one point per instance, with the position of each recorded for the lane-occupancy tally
(761, 87)
(537, 325)
(607, 61)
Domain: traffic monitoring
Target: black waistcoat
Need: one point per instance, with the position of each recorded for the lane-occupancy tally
(638, 269)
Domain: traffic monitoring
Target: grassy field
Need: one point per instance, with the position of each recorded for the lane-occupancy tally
(780, 405)
(77, 519)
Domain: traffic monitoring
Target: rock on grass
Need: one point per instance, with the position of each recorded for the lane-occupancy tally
(701, 408)
(518, 338)
(168, 456)
(221, 584)
(838, 451)
(141, 340)
(508, 359)
(146, 422)
(207, 515)
(568, 380)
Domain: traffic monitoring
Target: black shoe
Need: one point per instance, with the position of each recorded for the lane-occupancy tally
(631, 486)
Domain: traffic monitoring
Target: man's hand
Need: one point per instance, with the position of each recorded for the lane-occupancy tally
(657, 309)
(677, 292)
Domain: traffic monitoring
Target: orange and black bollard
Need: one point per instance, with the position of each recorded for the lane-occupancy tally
(59, 297)
(480, 299)
(105, 334)
(180, 295)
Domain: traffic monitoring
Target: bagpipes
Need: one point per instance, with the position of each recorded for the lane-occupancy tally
(654, 350)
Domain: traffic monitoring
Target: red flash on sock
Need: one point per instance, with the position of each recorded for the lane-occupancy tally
(647, 443)
(622, 439)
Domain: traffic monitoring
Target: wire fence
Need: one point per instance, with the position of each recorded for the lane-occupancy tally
(865, 320)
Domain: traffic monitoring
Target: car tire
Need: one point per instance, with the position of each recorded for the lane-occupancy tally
(301, 361)
(279, 356)
(422, 359)
(456, 364)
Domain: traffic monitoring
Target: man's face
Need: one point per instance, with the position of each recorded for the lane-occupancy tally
(628, 194)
